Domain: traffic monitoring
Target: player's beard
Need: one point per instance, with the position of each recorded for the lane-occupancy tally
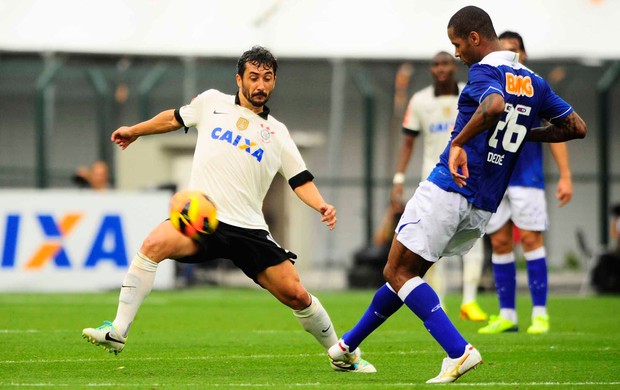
(252, 97)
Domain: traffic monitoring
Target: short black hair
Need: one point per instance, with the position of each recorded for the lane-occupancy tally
(442, 54)
(472, 18)
(513, 35)
(257, 55)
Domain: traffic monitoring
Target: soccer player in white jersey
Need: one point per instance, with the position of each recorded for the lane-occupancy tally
(448, 212)
(431, 112)
(239, 150)
(525, 207)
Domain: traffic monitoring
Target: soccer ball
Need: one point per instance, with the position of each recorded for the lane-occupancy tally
(193, 213)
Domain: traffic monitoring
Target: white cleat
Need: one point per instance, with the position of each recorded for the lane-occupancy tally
(105, 336)
(342, 360)
(453, 369)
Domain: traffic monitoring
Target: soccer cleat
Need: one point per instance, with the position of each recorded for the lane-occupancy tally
(105, 336)
(342, 360)
(540, 324)
(453, 369)
(498, 324)
(473, 312)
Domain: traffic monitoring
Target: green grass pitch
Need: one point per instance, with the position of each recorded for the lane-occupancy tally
(243, 338)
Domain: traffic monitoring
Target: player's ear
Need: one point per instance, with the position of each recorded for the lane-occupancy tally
(474, 38)
(239, 80)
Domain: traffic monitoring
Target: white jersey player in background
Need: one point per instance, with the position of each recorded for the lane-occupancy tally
(432, 112)
(239, 150)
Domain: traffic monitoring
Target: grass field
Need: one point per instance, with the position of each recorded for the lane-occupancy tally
(237, 338)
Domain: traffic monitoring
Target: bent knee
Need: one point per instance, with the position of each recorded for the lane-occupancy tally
(501, 244)
(297, 301)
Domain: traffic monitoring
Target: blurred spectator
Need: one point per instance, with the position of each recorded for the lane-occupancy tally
(96, 177)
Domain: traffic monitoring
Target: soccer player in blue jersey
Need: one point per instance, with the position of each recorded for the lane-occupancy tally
(525, 207)
(448, 212)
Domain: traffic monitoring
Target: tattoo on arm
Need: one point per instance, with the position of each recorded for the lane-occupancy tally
(562, 129)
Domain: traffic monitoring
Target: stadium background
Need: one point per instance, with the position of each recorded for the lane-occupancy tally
(65, 68)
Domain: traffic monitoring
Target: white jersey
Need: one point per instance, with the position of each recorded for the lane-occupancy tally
(237, 156)
(435, 117)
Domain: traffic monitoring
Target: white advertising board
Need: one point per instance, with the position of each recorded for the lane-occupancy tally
(75, 241)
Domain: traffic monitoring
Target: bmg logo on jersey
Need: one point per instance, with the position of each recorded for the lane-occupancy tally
(239, 141)
(519, 85)
(52, 235)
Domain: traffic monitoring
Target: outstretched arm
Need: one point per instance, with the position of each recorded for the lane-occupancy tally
(560, 130)
(163, 122)
(486, 116)
(310, 195)
(564, 193)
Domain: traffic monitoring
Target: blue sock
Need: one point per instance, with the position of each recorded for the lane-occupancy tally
(424, 303)
(385, 303)
(537, 278)
(505, 275)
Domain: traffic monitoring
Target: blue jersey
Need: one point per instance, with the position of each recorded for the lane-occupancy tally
(528, 170)
(492, 154)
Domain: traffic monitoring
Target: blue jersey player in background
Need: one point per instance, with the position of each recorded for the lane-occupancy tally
(448, 213)
(524, 206)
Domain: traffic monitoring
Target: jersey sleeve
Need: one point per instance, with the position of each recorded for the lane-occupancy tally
(411, 120)
(484, 80)
(191, 113)
(292, 164)
(553, 106)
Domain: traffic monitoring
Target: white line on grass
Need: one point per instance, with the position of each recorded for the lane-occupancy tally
(322, 385)
(125, 358)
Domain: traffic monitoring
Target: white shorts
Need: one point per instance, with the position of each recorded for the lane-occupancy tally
(525, 206)
(439, 223)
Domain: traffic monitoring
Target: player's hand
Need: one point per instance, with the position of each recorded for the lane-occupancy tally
(396, 196)
(123, 137)
(328, 213)
(458, 160)
(565, 191)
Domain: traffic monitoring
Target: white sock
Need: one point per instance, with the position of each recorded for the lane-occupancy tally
(509, 314)
(472, 271)
(539, 311)
(315, 320)
(136, 286)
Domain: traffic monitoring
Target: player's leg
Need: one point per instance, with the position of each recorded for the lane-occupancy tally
(499, 230)
(403, 272)
(162, 243)
(505, 276)
(472, 272)
(385, 302)
(435, 223)
(535, 256)
(530, 216)
(282, 281)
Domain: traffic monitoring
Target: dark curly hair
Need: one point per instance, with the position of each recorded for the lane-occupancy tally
(470, 19)
(257, 55)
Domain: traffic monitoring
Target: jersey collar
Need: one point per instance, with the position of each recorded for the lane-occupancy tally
(504, 55)
(263, 114)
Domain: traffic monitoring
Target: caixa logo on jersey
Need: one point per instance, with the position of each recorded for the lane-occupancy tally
(32, 241)
(238, 141)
